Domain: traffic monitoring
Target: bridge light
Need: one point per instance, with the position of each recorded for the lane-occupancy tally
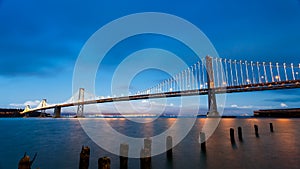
(248, 80)
(276, 77)
(262, 77)
(170, 89)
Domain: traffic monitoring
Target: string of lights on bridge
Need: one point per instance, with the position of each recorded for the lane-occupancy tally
(227, 73)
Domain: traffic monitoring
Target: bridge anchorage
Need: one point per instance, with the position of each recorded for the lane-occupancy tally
(210, 77)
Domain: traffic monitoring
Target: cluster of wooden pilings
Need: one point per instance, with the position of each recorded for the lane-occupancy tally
(145, 154)
(240, 133)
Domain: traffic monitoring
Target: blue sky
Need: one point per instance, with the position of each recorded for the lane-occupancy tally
(40, 42)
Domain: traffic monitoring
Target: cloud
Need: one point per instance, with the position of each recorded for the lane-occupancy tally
(29, 102)
(34, 45)
(283, 105)
(36, 60)
(234, 106)
(241, 107)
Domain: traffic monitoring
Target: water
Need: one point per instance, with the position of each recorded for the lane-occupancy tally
(58, 143)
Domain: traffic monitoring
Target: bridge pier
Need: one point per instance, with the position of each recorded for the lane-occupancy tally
(212, 103)
(57, 112)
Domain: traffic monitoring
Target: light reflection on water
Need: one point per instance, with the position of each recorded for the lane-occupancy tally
(58, 143)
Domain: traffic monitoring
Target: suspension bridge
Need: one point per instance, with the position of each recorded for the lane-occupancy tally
(209, 76)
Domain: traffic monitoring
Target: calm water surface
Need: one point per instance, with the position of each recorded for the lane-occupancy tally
(58, 143)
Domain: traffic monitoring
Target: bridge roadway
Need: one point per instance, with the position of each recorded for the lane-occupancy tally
(229, 89)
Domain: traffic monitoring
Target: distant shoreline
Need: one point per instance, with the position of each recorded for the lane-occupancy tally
(291, 112)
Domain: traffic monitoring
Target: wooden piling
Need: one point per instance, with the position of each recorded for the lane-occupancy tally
(84, 158)
(256, 130)
(145, 159)
(232, 139)
(271, 127)
(169, 145)
(240, 134)
(124, 148)
(202, 141)
(25, 162)
(147, 147)
(104, 163)
(147, 143)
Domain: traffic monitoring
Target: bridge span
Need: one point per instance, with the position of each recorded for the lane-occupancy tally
(210, 77)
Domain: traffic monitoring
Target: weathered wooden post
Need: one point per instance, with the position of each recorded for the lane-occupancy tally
(232, 136)
(271, 127)
(147, 143)
(169, 145)
(104, 163)
(25, 162)
(84, 158)
(147, 147)
(240, 134)
(124, 148)
(145, 160)
(202, 141)
(256, 130)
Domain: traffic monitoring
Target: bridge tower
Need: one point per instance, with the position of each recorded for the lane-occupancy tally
(80, 106)
(212, 103)
(27, 108)
(43, 104)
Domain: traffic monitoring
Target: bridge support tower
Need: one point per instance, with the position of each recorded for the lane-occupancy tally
(57, 112)
(43, 104)
(80, 106)
(212, 103)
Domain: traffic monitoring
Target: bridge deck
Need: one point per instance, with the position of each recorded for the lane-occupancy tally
(230, 89)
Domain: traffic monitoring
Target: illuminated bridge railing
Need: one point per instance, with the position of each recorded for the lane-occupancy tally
(227, 73)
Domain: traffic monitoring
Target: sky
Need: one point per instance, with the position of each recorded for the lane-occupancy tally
(41, 40)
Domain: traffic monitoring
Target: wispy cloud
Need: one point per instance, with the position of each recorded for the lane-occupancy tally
(252, 107)
(31, 103)
(241, 107)
(38, 60)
